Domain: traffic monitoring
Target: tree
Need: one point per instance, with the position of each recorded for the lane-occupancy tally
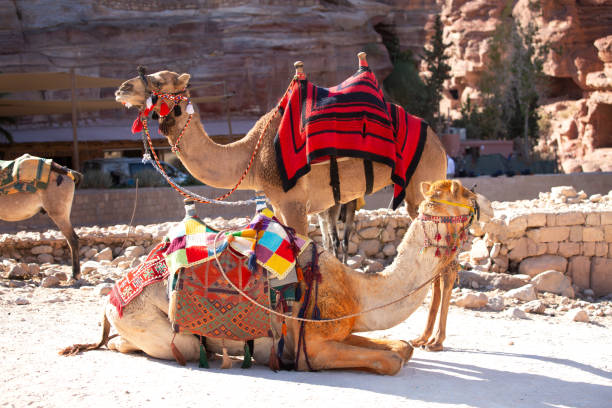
(509, 84)
(438, 71)
(404, 85)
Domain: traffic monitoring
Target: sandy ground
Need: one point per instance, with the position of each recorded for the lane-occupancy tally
(490, 360)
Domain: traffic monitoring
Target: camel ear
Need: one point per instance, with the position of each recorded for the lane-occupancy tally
(425, 188)
(182, 81)
(455, 187)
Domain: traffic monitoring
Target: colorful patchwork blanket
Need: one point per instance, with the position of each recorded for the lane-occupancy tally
(24, 174)
(152, 270)
(348, 120)
(265, 241)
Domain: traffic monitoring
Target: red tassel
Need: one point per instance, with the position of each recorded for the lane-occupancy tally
(438, 253)
(164, 109)
(137, 125)
(438, 236)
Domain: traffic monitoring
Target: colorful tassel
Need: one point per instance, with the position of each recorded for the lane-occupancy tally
(154, 99)
(164, 109)
(248, 361)
(178, 356)
(189, 109)
(438, 236)
(316, 313)
(203, 358)
(149, 102)
(274, 362)
(137, 125)
(177, 110)
(252, 263)
(438, 252)
(155, 116)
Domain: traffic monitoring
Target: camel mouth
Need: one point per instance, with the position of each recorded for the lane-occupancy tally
(127, 100)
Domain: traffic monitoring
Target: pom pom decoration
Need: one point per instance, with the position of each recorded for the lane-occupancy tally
(137, 125)
(189, 109)
(177, 110)
(149, 102)
(164, 109)
(155, 116)
(154, 99)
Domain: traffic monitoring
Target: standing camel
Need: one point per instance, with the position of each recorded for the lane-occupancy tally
(375, 301)
(328, 223)
(222, 166)
(55, 200)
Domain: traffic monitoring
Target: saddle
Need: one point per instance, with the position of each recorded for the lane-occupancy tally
(351, 119)
(24, 174)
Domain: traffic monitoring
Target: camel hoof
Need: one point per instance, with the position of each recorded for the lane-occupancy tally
(407, 351)
(417, 343)
(434, 347)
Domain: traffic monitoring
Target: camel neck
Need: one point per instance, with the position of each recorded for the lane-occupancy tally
(215, 164)
(411, 268)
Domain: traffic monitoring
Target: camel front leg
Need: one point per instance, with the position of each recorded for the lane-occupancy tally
(448, 280)
(62, 220)
(331, 354)
(431, 318)
(403, 348)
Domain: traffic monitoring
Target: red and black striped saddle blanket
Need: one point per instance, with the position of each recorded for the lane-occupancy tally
(349, 120)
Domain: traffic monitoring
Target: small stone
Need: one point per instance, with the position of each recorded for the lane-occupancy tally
(62, 276)
(90, 253)
(475, 285)
(389, 250)
(89, 266)
(22, 301)
(516, 313)
(42, 249)
(374, 267)
(105, 255)
(133, 251)
(18, 271)
(588, 292)
(595, 198)
(535, 306)
(472, 300)
(50, 282)
(495, 250)
(577, 315)
(552, 281)
(45, 258)
(525, 293)
(479, 250)
(103, 289)
(496, 303)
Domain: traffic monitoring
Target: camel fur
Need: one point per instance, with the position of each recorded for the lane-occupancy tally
(342, 291)
(55, 200)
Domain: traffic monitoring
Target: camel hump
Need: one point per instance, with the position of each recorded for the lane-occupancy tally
(299, 69)
(362, 59)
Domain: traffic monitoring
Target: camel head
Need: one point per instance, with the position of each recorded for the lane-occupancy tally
(450, 198)
(135, 91)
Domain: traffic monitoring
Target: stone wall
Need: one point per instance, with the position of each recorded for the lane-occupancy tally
(563, 231)
(569, 234)
(155, 205)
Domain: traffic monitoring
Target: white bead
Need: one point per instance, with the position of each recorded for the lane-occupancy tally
(128, 105)
(189, 109)
(149, 102)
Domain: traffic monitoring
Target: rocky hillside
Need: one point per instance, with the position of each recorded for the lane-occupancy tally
(251, 44)
(579, 69)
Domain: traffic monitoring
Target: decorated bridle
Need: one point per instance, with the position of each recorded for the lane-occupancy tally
(452, 241)
(155, 98)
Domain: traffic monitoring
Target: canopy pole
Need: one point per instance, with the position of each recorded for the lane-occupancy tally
(75, 141)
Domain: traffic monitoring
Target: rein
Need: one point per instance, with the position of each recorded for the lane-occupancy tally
(176, 98)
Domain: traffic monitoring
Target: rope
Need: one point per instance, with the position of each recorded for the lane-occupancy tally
(218, 200)
(303, 319)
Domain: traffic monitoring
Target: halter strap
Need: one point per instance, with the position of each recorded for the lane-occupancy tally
(455, 204)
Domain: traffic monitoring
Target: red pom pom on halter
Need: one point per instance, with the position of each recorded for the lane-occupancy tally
(137, 125)
(164, 109)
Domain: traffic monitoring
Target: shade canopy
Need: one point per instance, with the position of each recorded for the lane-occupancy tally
(39, 81)
(12, 107)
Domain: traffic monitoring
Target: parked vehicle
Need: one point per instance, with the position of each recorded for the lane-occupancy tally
(124, 171)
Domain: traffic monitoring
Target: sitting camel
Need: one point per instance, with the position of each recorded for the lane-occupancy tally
(55, 200)
(370, 301)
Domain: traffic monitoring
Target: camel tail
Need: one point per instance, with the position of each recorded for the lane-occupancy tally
(78, 348)
(77, 177)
